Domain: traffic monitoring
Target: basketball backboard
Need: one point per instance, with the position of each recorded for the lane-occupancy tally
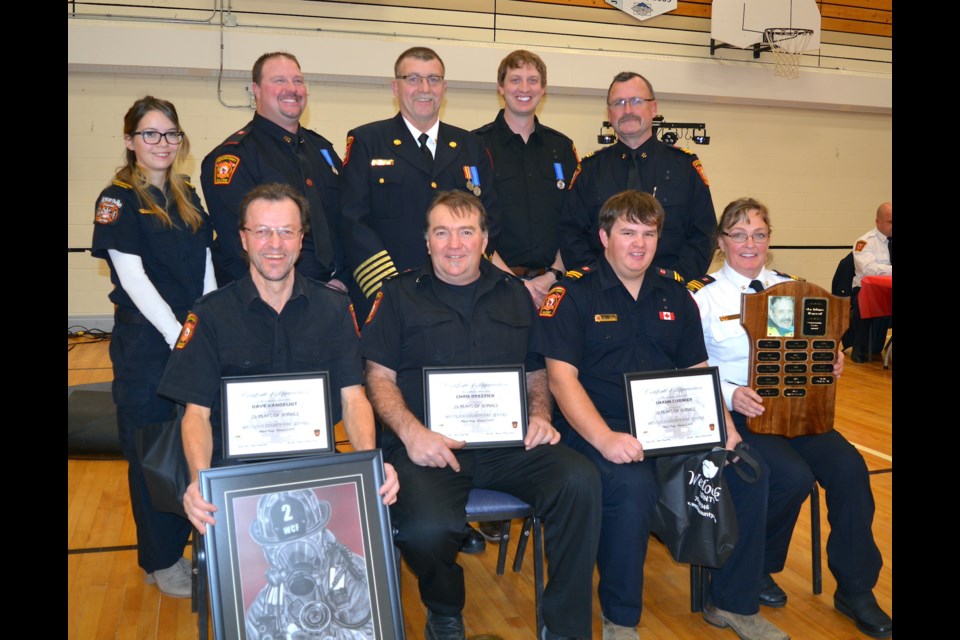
(740, 23)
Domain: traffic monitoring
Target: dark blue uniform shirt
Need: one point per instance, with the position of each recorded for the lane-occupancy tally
(595, 325)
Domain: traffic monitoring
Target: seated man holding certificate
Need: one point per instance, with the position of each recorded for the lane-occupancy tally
(461, 311)
(271, 321)
(743, 239)
(623, 318)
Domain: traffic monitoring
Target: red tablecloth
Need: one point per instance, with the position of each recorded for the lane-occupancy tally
(876, 296)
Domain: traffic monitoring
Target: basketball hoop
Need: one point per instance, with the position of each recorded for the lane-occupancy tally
(788, 45)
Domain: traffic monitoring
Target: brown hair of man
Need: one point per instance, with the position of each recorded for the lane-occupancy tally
(626, 76)
(461, 203)
(633, 206)
(275, 192)
(518, 59)
(420, 53)
(258, 65)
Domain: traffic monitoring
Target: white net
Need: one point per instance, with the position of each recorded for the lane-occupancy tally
(788, 45)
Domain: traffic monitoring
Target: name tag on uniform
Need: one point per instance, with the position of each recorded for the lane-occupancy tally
(381, 162)
(735, 316)
(605, 317)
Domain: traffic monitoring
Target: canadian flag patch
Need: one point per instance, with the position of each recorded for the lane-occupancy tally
(667, 315)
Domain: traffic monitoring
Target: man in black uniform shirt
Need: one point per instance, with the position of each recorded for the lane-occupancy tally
(273, 147)
(532, 168)
(272, 320)
(460, 310)
(638, 160)
(394, 168)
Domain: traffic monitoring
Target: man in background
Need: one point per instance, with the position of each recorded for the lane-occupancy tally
(872, 256)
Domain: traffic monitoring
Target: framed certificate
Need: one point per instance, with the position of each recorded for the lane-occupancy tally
(302, 548)
(676, 410)
(276, 416)
(485, 406)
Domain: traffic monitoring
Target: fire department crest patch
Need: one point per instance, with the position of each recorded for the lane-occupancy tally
(108, 210)
(224, 169)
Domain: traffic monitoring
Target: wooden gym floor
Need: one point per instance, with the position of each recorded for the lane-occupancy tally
(108, 598)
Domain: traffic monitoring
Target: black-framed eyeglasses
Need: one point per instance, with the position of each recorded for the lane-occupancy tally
(635, 101)
(740, 237)
(264, 233)
(414, 80)
(153, 137)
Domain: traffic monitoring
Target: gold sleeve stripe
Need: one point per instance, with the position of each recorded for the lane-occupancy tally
(372, 271)
(372, 280)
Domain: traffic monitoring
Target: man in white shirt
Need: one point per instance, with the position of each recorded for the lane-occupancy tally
(872, 256)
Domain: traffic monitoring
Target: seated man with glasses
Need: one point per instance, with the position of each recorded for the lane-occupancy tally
(638, 160)
(392, 170)
(271, 320)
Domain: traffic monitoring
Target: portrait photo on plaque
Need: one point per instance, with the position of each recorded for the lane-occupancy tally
(276, 416)
(780, 313)
(483, 406)
(302, 548)
(676, 410)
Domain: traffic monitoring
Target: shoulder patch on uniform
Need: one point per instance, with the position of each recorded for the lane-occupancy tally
(861, 244)
(552, 301)
(787, 275)
(108, 210)
(186, 333)
(696, 284)
(699, 167)
(373, 309)
(670, 274)
(346, 153)
(224, 168)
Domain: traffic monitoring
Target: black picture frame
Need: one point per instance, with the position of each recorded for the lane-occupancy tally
(328, 558)
(296, 426)
(691, 399)
(481, 389)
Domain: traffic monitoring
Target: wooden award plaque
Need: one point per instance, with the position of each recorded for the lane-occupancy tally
(794, 329)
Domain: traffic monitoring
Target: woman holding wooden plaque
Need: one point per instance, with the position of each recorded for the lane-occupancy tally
(743, 239)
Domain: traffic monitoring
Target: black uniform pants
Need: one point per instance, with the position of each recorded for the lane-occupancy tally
(563, 487)
(139, 355)
(852, 554)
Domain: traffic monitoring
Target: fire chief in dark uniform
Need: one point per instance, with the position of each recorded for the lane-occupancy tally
(394, 168)
(638, 160)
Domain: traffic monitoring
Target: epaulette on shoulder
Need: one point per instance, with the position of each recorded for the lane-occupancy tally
(186, 180)
(579, 272)
(485, 128)
(787, 275)
(592, 154)
(696, 284)
(683, 149)
(122, 184)
(237, 137)
(670, 274)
